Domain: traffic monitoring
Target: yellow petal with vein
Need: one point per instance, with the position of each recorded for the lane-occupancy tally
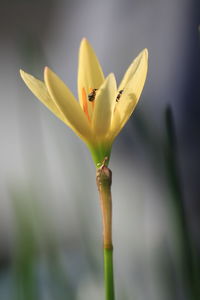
(132, 68)
(132, 86)
(67, 103)
(90, 74)
(39, 89)
(103, 109)
(115, 125)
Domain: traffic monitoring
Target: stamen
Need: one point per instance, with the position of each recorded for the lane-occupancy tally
(85, 103)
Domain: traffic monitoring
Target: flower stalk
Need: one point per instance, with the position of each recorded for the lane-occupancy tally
(104, 181)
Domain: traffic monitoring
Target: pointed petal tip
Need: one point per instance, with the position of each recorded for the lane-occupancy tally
(24, 75)
(145, 52)
(110, 77)
(84, 42)
(47, 73)
(46, 70)
(21, 72)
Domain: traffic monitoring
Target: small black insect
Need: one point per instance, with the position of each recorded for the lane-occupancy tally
(92, 95)
(119, 95)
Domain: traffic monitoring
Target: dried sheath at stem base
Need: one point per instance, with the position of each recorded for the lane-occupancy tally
(104, 181)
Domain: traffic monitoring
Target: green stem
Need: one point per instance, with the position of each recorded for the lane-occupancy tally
(189, 260)
(108, 274)
(104, 180)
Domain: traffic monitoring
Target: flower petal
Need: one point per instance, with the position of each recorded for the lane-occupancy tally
(39, 89)
(132, 86)
(132, 68)
(103, 108)
(67, 103)
(90, 74)
(115, 125)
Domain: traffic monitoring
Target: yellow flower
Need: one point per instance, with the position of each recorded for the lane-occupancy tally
(103, 109)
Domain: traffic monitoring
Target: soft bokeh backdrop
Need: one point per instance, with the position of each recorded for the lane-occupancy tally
(50, 224)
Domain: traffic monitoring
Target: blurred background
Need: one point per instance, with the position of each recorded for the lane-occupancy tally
(50, 223)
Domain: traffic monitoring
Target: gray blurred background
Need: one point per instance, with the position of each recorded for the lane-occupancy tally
(50, 224)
